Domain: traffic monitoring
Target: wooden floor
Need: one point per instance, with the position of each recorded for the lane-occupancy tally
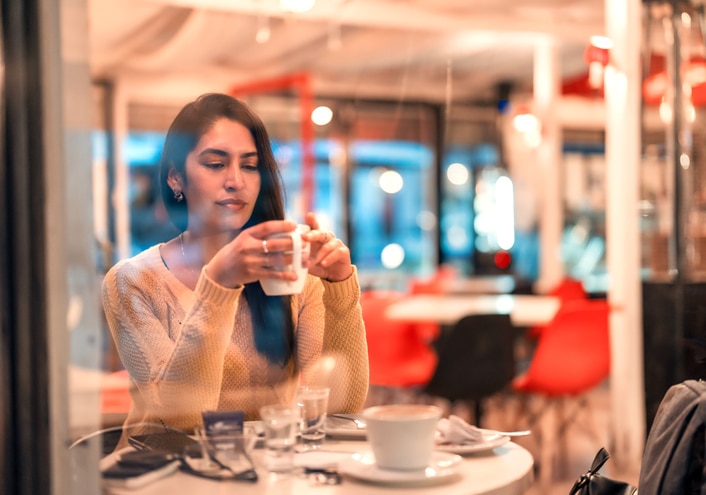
(581, 450)
(581, 446)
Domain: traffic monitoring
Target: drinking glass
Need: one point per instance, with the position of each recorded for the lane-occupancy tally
(313, 402)
(231, 448)
(280, 424)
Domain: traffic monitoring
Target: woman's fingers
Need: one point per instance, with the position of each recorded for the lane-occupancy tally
(332, 252)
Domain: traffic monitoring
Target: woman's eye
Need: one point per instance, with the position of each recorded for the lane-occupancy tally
(214, 164)
(250, 167)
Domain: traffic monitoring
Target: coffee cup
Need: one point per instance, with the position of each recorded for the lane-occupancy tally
(401, 436)
(299, 259)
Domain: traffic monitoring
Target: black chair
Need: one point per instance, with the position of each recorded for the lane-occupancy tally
(476, 361)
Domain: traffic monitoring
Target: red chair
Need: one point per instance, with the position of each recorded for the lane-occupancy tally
(572, 357)
(567, 290)
(400, 358)
(115, 397)
(433, 285)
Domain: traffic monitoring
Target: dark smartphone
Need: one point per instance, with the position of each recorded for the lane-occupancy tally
(149, 459)
(134, 474)
(119, 471)
(170, 441)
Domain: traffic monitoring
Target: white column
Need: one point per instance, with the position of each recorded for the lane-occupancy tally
(121, 194)
(623, 145)
(74, 326)
(551, 217)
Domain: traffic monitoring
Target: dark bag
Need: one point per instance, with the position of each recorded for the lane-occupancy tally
(674, 459)
(593, 483)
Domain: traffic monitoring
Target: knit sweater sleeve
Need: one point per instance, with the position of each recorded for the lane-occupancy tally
(175, 361)
(343, 362)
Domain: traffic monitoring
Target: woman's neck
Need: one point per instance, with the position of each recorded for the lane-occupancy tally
(204, 246)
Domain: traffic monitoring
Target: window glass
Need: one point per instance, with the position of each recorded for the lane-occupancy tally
(583, 244)
(377, 195)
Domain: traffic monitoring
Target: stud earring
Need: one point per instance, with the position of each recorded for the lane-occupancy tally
(179, 196)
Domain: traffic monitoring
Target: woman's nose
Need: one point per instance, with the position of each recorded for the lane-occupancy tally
(234, 178)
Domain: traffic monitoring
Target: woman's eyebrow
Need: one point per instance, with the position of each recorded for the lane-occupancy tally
(219, 152)
(213, 151)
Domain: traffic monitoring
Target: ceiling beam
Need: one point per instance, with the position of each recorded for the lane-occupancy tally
(412, 17)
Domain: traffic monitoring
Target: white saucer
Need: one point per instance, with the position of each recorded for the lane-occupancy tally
(473, 448)
(362, 466)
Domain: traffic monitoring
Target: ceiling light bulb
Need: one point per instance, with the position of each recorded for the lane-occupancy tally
(263, 29)
(262, 35)
(321, 115)
(602, 42)
(296, 6)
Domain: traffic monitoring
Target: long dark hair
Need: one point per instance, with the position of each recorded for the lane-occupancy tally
(272, 318)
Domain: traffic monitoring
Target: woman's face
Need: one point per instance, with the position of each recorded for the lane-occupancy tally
(222, 179)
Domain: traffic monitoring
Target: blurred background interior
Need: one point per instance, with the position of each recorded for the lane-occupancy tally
(441, 139)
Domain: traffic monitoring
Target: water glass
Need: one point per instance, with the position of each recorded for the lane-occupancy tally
(313, 402)
(232, 448)
(280, 424)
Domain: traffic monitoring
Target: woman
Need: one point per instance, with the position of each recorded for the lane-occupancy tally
(189, 319)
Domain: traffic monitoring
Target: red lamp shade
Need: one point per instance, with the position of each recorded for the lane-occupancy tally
(596, 54)
(654, 88)
(597, 57)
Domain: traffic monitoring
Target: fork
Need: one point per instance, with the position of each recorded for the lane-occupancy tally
(518, 433)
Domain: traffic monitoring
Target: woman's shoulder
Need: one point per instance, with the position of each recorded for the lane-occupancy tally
(146, 262)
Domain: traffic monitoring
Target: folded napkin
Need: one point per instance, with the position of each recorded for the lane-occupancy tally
(454, 430)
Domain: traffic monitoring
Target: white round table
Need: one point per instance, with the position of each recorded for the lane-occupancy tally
(446, 309)
(505, 470)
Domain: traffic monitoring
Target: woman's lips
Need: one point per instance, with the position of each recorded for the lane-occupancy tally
(233, 204)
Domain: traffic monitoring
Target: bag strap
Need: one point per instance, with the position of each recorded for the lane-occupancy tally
(601, 457)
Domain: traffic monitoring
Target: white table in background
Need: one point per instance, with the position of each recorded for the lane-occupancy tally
(506, 470)
(447, 309)
(479, 284)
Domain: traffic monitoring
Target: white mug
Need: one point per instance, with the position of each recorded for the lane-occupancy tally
(401, 436)
(300, 257)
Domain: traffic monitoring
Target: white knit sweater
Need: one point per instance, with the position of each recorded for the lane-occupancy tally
(190, 351)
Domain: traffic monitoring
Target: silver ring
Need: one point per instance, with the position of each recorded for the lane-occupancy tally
(264, 246)
(267, 260)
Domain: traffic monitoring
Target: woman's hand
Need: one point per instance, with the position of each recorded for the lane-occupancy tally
(248, 258)
(330, 258)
